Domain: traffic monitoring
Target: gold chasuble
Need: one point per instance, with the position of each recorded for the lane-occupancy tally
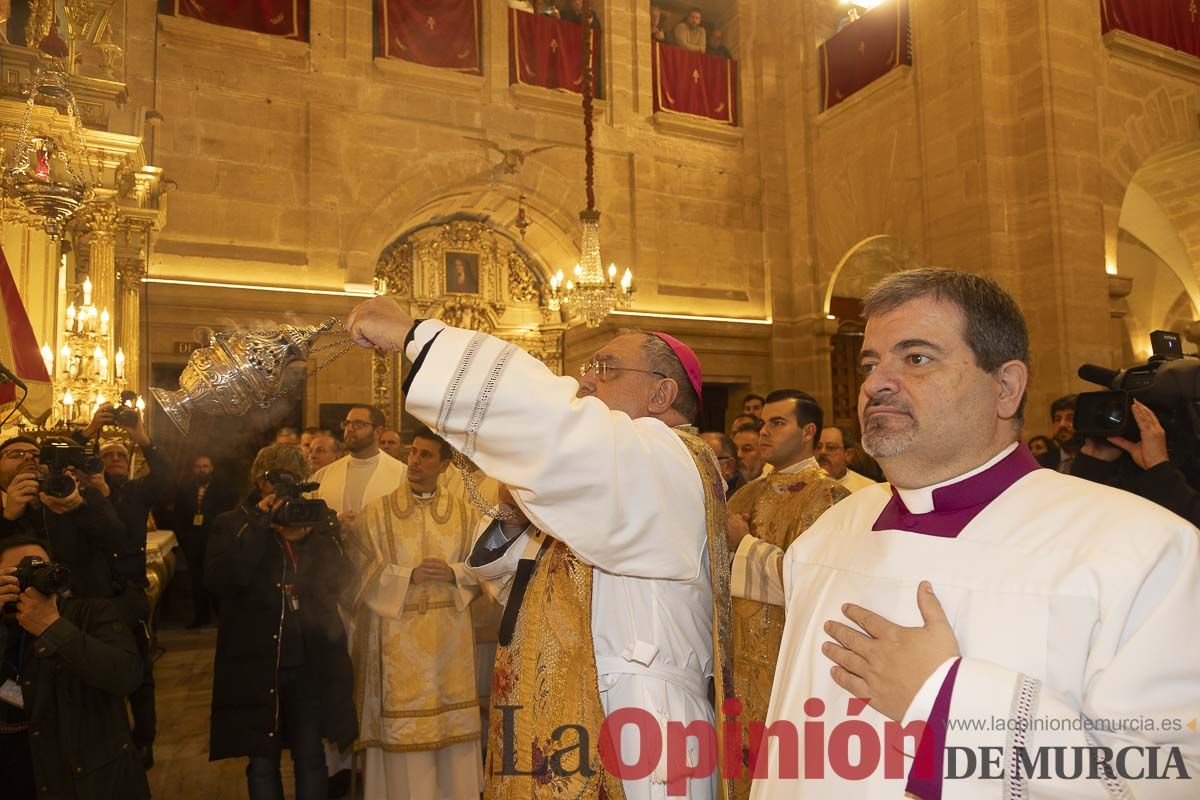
(412, 646)
(781, 506)
(549, 670)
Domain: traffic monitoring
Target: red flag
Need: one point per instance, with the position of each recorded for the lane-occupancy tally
(545, 51)
(436, 33)
(690, 82)
(19, 352)
(278, 17)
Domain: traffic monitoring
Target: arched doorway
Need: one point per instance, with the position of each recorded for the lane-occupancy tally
(861, 267)
(472, 274)
(1153, 281)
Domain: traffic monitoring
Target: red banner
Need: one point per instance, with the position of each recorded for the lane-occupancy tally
(545, 51)
(436, 33)
(864, 51)
(1174, 23)
(19, 351)
(277, 17)
(688, 82)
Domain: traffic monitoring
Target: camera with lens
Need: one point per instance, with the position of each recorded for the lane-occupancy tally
(1168, 384)
(296, 511)
(58, 457)
(125, 413)
(45, 576)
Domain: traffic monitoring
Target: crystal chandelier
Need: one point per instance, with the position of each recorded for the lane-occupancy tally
(41, 173)
(590, 294)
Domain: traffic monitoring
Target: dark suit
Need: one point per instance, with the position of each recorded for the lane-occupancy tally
(193, 538)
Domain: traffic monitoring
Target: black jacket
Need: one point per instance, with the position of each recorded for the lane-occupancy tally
(74, 681)
(88, 540)
(218, 499)
(1164, 484)
(133, 500)
(244, 567)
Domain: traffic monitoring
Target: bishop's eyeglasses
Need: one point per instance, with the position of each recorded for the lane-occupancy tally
(606, 371)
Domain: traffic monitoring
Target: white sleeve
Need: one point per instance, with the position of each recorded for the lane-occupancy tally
(1142, 689)
(623, 494)
(758, 571)
(466, 585)
(387, 598)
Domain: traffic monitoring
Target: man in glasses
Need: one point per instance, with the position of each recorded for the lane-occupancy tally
(611, 556)
(348, 484)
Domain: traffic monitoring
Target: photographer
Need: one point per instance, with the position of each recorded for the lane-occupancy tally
(67, 665)
(132, 498)
(81, 526)
(1142, 467)
(282, 673)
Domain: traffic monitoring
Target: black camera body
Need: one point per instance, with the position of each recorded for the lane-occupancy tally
(296, 511)
(1168, 384)
(57, 457)
(125, 412)
(47, 577)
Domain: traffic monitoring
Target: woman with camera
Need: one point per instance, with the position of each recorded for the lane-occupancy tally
(282, 676)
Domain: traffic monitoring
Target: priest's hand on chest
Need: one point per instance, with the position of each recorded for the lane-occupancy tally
(889, 663)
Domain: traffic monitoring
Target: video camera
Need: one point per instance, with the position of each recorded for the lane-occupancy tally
(57, 457)
(1168, 383)
(296, 511)
(37, 573)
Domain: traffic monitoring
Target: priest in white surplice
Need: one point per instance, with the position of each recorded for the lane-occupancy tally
(628, 516)
(365, 473)
(414, 661)
(1014, 608)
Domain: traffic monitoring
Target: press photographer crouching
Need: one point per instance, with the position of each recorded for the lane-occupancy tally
(1130, 446)
(282, 675)
(47, 495)
(68, 664)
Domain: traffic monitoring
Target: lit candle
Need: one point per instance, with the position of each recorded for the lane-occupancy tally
(76, 365)
(71, 318)
(68, 406)
(120, 364)
(627, 281)
(100, 400)
(103, 367)
(612, 272)
(104, 322)
(97, 355)
(87, 291)
(65, 356)
(48, 358)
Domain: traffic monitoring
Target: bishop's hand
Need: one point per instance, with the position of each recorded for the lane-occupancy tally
(889, 663)
(379, 322)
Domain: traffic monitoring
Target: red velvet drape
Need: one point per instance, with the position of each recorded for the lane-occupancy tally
(1174, 23)
(544, 51)
(436, 33)
(279, 17)
(18, 345)
(864, 51)
(688, 82)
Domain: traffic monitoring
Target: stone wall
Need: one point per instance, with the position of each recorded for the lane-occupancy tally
(1005, 149)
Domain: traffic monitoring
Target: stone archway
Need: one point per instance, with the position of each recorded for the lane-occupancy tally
(470, 273)
(861, 267)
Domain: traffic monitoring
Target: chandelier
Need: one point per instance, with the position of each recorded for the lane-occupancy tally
(41, 173)
(591, 294)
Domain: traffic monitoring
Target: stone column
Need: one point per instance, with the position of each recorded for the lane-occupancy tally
(130, 272)
(102, 250)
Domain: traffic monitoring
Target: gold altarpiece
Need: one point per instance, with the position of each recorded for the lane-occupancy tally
(468, 274)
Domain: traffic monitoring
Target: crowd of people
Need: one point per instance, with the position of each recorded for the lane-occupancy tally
(597, 553)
